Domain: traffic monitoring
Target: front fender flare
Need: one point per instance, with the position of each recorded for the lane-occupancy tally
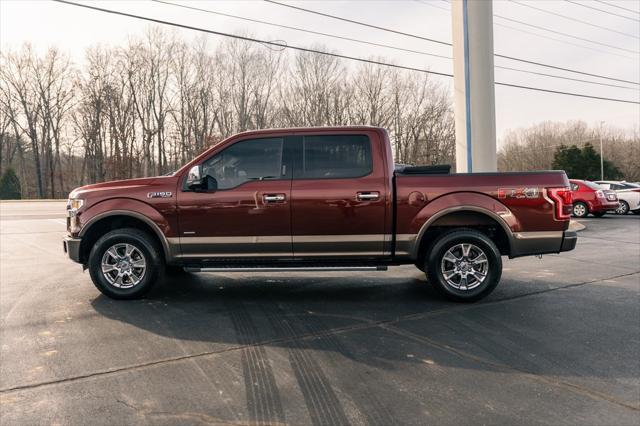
(132, 208)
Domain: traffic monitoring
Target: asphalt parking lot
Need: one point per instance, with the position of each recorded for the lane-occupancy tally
(558, 342)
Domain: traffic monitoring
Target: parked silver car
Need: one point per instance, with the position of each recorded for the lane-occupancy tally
(628, 195)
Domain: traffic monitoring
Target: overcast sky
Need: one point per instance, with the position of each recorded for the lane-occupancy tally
(72, 29)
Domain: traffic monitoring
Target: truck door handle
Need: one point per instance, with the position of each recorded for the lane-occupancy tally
(368, 196)
(274, 198)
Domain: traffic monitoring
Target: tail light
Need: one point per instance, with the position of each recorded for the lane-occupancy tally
(599, 194)
(563, 200)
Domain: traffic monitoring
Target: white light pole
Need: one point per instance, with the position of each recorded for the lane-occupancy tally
(601, 154)
(474, 97)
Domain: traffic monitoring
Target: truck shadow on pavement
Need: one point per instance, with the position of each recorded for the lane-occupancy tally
(304, 318)
(285, 311)
(204, 307)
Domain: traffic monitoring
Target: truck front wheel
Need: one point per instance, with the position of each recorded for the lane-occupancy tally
(125, 264)
(464, 265)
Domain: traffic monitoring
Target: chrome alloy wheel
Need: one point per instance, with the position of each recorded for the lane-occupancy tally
(123, 265)
(464, 266)
(580, 210)
(623, 207)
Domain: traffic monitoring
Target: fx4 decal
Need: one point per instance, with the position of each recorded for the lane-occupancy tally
(518, 192)
(161, 194)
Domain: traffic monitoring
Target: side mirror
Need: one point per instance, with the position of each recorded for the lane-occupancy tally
(194, 180)
(197, 182)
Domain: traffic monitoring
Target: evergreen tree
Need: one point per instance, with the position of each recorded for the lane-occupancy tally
(583, 163)
(10, 186)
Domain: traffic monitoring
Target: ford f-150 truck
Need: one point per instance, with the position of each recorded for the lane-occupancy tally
(315, 199)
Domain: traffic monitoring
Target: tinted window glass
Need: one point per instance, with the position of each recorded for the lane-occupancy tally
(341, 156)
(247, 160)
(592, 185)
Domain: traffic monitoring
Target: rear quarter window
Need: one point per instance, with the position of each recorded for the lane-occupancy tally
(336, 157)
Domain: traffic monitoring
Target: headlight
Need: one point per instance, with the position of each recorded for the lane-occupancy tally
(73, 205)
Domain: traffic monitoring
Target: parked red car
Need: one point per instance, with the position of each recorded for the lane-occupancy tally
(589, 197)
(319, 199)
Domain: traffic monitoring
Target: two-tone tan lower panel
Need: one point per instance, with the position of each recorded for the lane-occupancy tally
(405, 244)
(359, 245)
(242, 246)
(367, 245)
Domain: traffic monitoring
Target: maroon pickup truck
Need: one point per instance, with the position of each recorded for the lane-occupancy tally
(321, 199)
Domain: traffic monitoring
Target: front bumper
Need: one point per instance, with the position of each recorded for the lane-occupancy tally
(71, 247)
(569, 240)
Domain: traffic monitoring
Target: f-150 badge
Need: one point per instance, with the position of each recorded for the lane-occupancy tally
(518, 192)
(160, 194)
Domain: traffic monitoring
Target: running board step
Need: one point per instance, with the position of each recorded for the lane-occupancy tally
(287, 269)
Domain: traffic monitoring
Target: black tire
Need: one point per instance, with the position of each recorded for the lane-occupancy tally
(450, 240)
(580, 209)
(145, 247)
(623, 207)
(598, 214)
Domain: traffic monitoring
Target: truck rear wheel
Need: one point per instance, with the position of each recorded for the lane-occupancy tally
(464, 265)
(125, 264)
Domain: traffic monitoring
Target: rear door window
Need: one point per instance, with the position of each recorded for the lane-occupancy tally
(335, 157)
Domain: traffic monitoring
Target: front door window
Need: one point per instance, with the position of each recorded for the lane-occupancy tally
(249, 160)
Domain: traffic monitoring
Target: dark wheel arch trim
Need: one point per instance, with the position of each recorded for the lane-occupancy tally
(496, 217)
(168, 249)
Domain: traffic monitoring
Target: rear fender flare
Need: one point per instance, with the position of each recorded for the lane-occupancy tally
(459, 202)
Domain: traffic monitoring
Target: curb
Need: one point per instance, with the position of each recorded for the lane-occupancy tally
(574, 225)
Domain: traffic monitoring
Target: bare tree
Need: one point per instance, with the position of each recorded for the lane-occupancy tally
(532, 148)
(154, 103)
(422, 125)
(17, 74)
(312, 97)
(56, 95)
(147, 64)
(372, 104)
(90, 118)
